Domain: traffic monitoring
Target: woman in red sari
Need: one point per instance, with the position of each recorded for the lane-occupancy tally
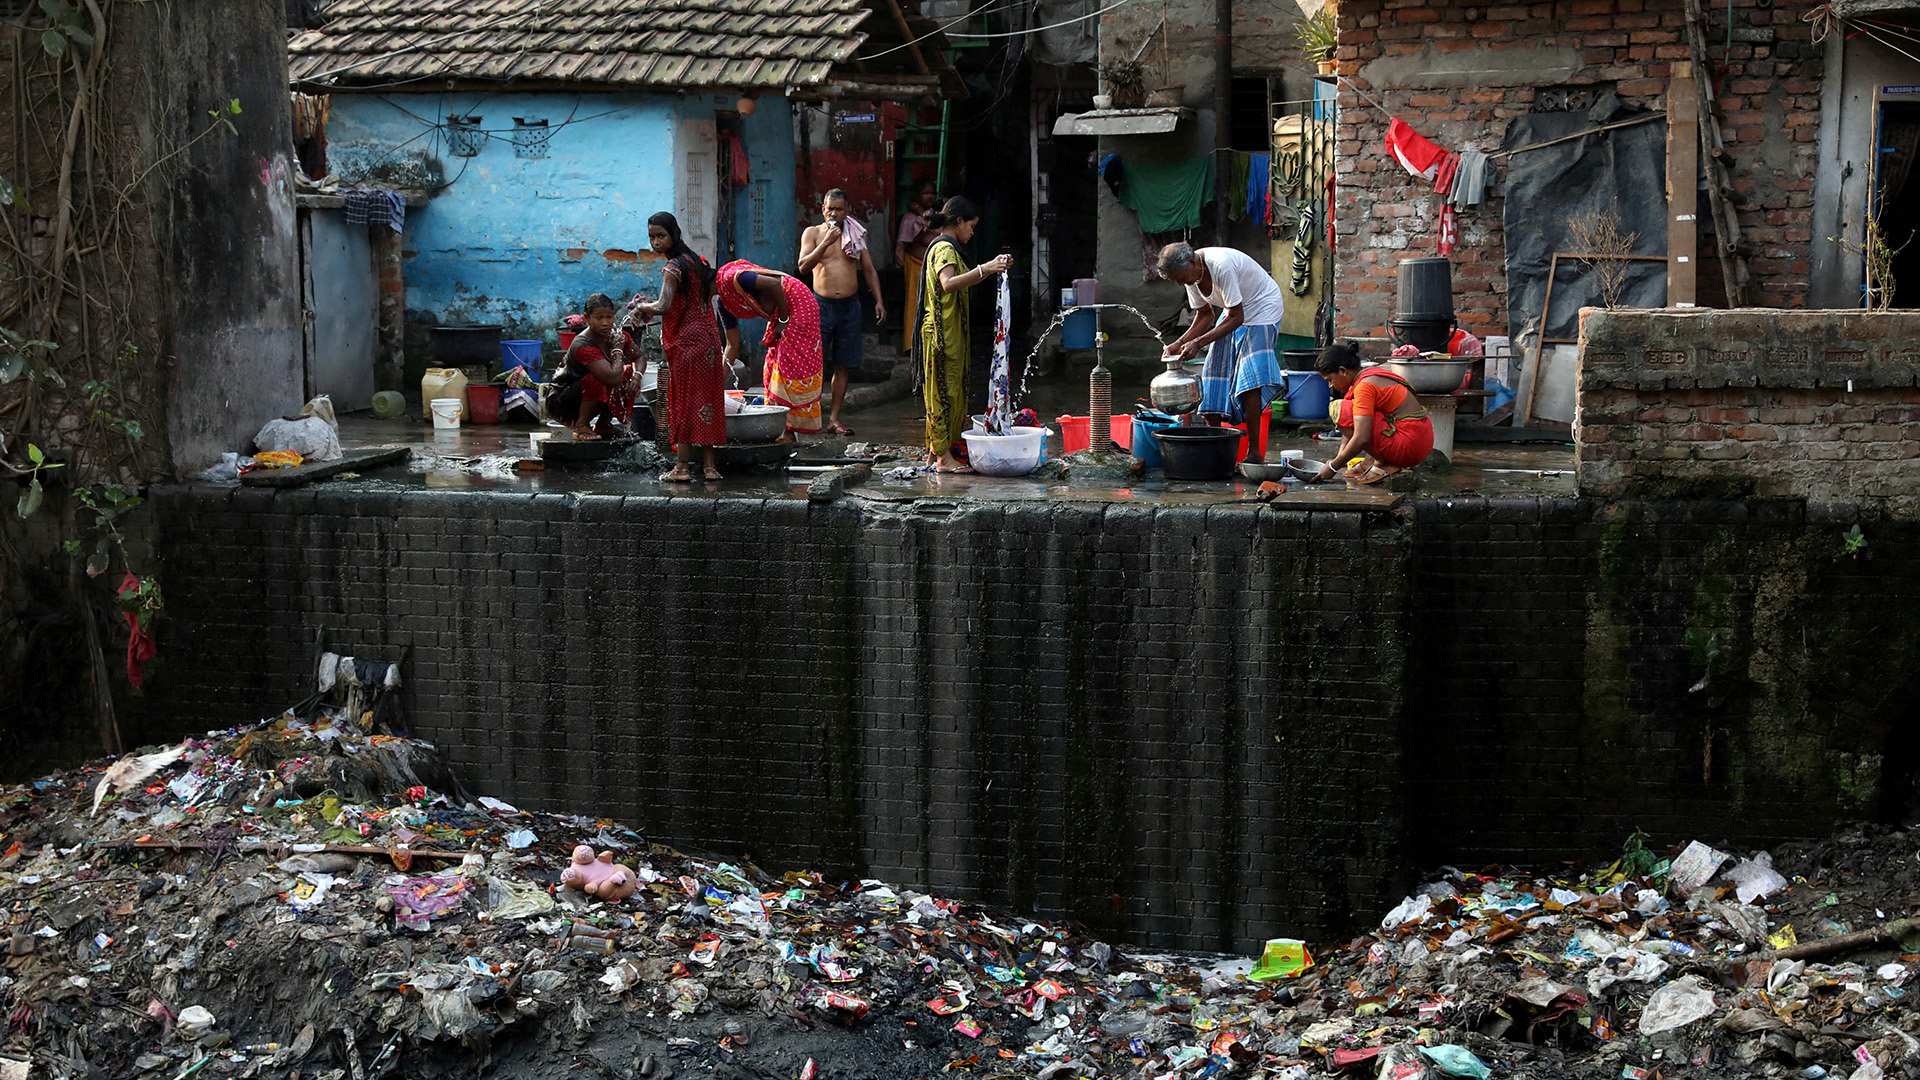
(792, 339)
(690, 335)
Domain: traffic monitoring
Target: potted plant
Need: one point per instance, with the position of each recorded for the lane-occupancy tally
(1126, 81)
(1319, 38)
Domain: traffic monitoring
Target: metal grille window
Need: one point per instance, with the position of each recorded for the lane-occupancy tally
(464, 137)
(757, 199)
(530, 137)
(696, 189)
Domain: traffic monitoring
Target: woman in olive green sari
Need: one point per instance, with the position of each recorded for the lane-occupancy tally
(943, 341)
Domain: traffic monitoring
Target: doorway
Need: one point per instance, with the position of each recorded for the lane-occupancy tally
(1897, 202)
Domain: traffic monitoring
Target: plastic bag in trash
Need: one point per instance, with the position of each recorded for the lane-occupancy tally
(1457, 1061)
(1411, 910)
(225, 471)
(1755, 878)
(1676, 1005)
(322, 407)
(1282, 958)
(309, 436)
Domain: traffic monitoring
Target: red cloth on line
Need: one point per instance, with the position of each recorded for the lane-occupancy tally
(1415, 153)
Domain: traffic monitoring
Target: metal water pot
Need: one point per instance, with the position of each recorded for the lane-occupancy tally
(1174, 390)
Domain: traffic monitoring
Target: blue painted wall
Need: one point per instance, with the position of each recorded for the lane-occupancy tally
(768, 135)
(509, 239)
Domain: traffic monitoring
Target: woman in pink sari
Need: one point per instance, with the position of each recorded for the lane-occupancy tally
(792, 338)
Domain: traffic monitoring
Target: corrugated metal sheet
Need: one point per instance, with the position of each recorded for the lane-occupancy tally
(659, 44)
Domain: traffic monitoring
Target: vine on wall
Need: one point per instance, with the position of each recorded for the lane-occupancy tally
(83, 369)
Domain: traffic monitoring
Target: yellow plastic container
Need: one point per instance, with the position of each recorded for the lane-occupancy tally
(442, 382)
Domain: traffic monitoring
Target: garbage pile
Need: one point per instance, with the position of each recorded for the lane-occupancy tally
(305, 897)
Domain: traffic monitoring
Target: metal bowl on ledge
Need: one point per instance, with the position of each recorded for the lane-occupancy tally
(757, 424)
(1430, 376)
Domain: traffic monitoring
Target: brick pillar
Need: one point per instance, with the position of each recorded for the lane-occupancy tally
(389, 372)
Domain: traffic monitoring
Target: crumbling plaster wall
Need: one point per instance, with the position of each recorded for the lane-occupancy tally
(1459, 72)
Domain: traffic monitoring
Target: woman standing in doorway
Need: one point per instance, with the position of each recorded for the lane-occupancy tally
(690, 335)
(944, 351)
(792, 338)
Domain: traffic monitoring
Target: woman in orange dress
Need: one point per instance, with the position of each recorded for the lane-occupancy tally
(1385, 423)
(792, 338)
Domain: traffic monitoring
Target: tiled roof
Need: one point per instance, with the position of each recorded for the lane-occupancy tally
(666, 44)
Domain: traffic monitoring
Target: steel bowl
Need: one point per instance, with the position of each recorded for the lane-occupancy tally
(756, 424)
(1430, 376)
(1305, 468)
(1262, 471)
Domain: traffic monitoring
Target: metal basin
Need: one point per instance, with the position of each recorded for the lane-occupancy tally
(757, 424)
(1262, 471)
(1430, 376)
(1305, 468)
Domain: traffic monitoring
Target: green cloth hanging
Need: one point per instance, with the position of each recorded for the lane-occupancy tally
(1237, 175)
(1168, 198)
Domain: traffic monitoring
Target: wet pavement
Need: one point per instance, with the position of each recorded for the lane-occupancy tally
(484, 457)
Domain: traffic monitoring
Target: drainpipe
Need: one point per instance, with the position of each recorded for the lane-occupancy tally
(1222, 99)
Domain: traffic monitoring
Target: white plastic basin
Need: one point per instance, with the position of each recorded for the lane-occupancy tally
(1006, 455)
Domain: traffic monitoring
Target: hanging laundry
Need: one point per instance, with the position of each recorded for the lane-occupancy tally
(1259, 190)
(1412, 150)
(1237, 171)
(1167, 197)
(1302, 278)
(1445, 172)
(1471, 179)
(375, 207)
(1114, 172)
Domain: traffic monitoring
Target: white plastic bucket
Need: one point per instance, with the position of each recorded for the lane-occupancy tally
(446, 413)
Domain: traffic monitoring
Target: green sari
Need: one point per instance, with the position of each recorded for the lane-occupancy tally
(943, 348)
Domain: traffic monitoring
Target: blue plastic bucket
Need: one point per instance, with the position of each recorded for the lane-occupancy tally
(1307, 395)
(524, 354)
(1077, 331)
(1145, 446)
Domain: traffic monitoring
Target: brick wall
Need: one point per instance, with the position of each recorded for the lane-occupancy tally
(1155, 721)
(1817, 405)
(1701, 669)
(1459, 72)
(1183, 726)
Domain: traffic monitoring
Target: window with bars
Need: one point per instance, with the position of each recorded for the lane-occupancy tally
(757, 200)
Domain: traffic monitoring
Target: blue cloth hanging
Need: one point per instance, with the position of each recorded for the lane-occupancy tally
(1257, 184)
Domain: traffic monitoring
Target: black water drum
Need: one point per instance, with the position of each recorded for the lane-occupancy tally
(1300, 359)
(1427, 335)
(1425, 290)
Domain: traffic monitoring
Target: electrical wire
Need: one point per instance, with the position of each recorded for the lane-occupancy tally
(1049, 26)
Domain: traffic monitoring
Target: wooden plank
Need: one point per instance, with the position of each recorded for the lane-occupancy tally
(1726, 220)
(1683, 186)
(352, 461)
(913, 44)
(1523, 394)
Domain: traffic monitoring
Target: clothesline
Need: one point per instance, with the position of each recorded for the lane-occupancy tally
(1519, 149)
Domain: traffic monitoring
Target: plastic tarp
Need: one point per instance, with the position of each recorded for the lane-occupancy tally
(1548, 188)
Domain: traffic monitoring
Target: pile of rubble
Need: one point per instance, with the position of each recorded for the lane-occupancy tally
(301, 898)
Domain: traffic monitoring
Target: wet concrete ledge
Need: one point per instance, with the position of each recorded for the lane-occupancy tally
(1195, 725)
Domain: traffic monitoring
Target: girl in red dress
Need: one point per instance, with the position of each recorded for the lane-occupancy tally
(690, 335)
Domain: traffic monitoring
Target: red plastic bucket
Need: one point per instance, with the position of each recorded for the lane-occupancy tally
(483, 403)
(566, 339)
(1076, 432)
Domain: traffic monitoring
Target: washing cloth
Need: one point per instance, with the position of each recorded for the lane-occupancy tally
(1470, 180)
(375, 206)
(1168, 198)
(1258, 187)
(853, 238)
(1415, 153)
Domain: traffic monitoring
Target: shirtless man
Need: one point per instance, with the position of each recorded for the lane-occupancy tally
(836, 281)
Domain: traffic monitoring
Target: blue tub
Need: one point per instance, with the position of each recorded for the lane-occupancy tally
(1145, 446)
(1307, 395)
(1078, 329)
